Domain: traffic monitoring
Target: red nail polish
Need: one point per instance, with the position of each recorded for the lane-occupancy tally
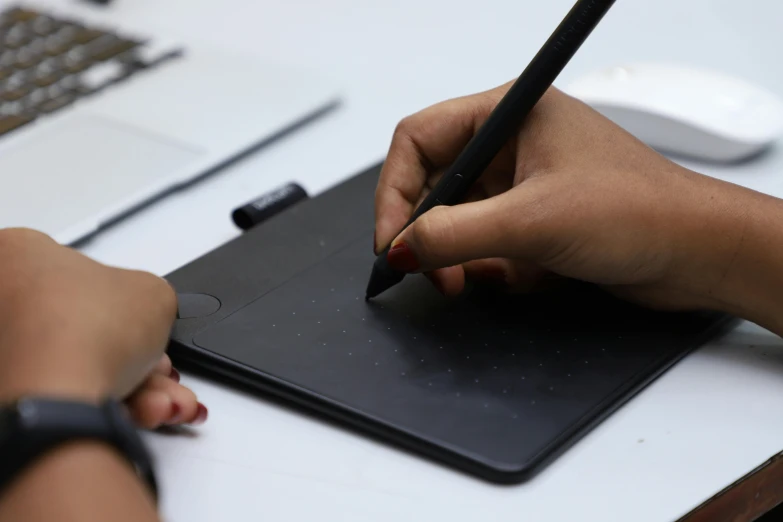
(201, 416)
(174, 375)
(176, 413)
(401, 258)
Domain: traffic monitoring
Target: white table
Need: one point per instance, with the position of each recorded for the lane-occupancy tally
(707, 422)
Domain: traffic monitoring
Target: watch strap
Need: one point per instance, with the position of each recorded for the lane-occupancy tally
(35, 426)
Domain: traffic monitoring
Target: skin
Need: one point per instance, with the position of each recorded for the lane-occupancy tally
(64, 331)
(574, 196)
(570, 196)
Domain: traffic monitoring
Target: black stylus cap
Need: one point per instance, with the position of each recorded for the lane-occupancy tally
(260, 209)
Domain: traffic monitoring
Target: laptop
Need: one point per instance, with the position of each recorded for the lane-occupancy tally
(97, 120)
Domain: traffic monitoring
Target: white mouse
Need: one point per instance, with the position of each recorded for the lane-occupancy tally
(685, 111)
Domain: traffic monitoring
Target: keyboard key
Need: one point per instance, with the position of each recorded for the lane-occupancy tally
(15, 94)
(11, 122)
(35, 98)
(100, 44)
(45, 81)
(76, 68)
(54, 45)
(47, 63)
(70, 82)
(11, 108)
(77, 60)
(26, 58)
(17, 36)
(57, 103)
(20, 15)
(16, 80)
(48, 72)
(43, 25)
(54, 91)
(7, 59)
(113, 49)
(67, 32)
(37, 46)
(87, 35)
(100, 75)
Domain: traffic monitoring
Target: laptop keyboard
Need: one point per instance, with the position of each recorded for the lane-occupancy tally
(48, 63)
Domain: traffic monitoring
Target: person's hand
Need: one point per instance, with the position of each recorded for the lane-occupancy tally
(570, 196)
(72, 327)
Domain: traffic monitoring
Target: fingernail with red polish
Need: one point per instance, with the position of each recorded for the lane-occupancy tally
(401, 258)
(174, 375)
(176, 413)
(201, 416)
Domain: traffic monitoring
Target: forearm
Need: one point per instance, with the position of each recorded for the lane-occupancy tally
(81, 482)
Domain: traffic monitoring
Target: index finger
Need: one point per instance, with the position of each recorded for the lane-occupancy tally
(423, 144)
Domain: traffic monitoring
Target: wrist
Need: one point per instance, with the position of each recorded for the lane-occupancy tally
(734, 253)
(107, 488)
(53, 370)
(753, 283)
(60, 383)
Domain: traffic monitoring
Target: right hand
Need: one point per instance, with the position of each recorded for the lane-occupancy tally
(571, 195)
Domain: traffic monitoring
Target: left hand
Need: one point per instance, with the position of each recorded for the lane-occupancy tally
(71, 327)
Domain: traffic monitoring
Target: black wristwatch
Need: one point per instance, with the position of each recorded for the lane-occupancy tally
(33, 426)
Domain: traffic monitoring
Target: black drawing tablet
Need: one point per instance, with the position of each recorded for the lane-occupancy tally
(495, 385)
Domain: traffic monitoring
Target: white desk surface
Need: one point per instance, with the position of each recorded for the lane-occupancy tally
(708, 421)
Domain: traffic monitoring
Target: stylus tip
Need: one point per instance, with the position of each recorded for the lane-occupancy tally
(376, 285)
(381, 279)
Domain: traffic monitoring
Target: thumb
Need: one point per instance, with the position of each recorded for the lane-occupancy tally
(501, 226)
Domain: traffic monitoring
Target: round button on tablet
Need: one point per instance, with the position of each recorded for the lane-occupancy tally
(191, 306)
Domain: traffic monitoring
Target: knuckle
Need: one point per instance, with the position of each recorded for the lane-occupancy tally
(16, 237)
(160, 290)
(410, 126)
(404, 127)
(168, 297)
(433, 233)
(19, 247)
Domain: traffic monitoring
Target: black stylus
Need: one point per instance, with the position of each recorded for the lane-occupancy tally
(504, 120)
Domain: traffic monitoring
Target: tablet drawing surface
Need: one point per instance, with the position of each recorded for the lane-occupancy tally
(492, 383)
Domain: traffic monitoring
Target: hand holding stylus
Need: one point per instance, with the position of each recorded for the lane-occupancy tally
(505, 118)
(573, 195)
